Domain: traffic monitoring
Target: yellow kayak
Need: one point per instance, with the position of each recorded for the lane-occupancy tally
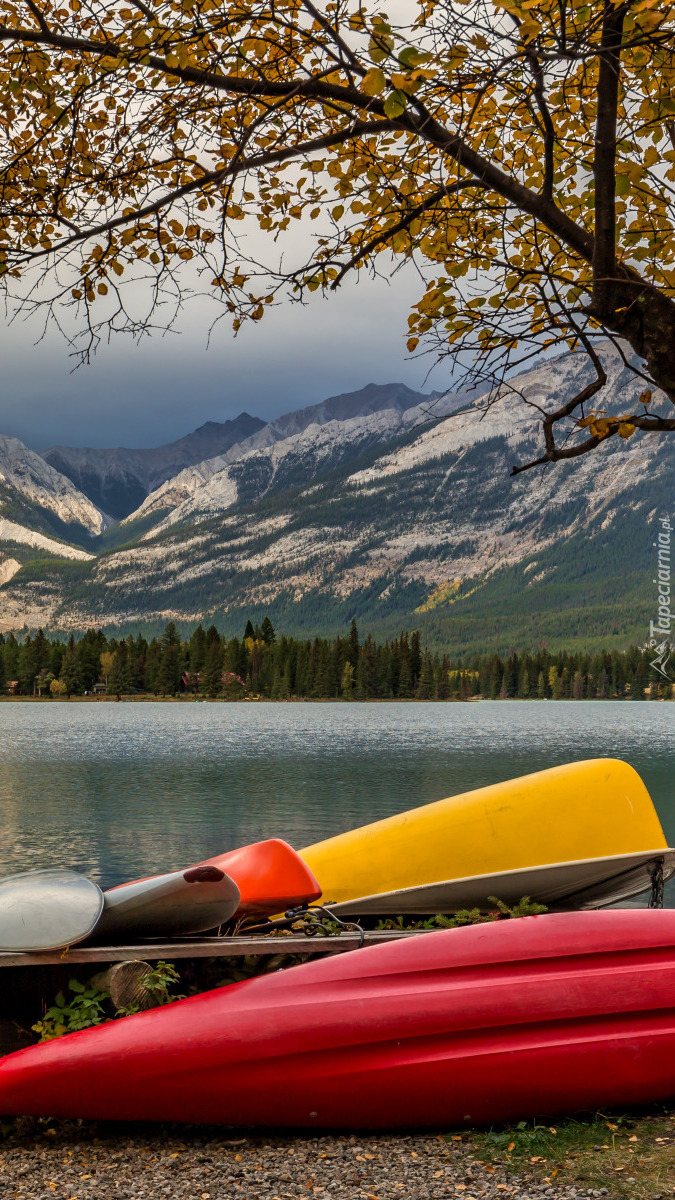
(585, 810)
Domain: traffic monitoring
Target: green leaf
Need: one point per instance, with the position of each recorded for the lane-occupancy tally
(395, 104)
(411, 57)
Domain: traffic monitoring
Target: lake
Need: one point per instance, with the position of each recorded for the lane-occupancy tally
(121, 790)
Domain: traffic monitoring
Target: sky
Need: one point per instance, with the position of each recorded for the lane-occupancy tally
(154, 393)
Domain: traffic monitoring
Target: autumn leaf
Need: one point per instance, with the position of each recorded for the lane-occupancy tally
(373, 82)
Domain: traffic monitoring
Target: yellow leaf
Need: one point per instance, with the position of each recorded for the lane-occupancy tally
(373, 82)
(102, 289)
(626, 430)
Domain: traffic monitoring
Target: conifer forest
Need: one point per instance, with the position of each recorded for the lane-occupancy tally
(262, 664)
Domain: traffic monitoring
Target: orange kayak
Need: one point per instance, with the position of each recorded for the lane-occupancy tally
(270, 877)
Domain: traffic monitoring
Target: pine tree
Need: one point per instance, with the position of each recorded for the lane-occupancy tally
(353, 651)
(27, 667)
(267, 632)
(70, 669)
(405, 683)
(415, 658)
(425, 688)
(212, 674)
(169, 670)
(119, 683)
(197, 650)
(10, 653)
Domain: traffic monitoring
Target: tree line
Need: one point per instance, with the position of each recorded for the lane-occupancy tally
(262, 664)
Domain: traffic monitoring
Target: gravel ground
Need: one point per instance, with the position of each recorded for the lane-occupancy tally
(85, 1161)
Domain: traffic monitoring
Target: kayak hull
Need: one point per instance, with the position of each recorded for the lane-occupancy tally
(271, 876)
(47, 909)
(537, 1016)
(589, 883)
(586, 810)
(172, 905)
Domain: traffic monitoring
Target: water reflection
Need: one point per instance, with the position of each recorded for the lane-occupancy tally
(121, 790)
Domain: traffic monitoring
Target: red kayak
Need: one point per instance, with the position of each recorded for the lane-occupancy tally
(536, 1016)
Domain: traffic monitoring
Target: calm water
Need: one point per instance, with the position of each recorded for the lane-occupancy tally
(120, 790)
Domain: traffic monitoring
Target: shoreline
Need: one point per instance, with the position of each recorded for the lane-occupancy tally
(150, 698)
(621, 1156)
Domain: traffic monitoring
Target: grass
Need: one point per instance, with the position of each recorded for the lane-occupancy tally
(631, 1155)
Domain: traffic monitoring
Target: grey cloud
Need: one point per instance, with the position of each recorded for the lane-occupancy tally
(148, 394)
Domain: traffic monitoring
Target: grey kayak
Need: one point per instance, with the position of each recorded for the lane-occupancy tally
(182, 902)
(44, 910)
(583, 883)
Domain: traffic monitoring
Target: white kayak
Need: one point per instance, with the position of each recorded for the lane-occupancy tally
(182, 902)
(45, 910)
(584, 883)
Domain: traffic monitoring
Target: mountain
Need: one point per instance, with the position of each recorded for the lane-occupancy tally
(117, 481)
(41, 513)
(396, 516)
(291, 452)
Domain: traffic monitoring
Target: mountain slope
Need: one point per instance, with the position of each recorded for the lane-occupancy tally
(119, 480)
(40, 511)
(394, 520)
(267, 463)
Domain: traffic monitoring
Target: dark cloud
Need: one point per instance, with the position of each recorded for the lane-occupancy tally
(160, 390)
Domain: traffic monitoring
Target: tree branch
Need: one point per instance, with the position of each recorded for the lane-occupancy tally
(604, 162)
(415, 119)
(382, 238)
(209, 178)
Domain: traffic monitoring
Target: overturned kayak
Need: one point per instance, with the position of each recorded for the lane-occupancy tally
(587, 810)
(44, 910)
(270, 875)
(537, 1016)
(588, 883)
(168, 905)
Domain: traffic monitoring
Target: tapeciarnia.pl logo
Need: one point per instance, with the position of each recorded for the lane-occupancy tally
(660, 630)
